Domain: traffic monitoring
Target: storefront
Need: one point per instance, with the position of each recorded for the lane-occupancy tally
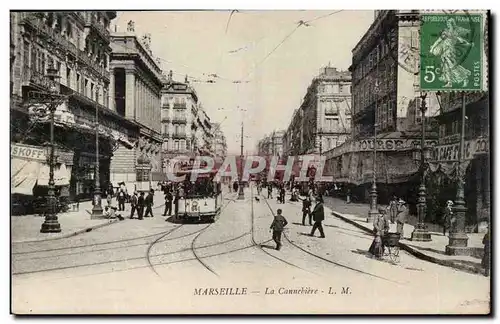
(30, 175)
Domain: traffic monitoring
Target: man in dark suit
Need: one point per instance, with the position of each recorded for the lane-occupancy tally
(306, 211)
(140, 206)
(318, 215)
(149, 204)
(168, 203)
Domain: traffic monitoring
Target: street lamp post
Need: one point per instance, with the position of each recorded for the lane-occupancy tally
(373, 192)
(241, 194)
(420, 232)
(97, 208)
(457, 244)
(51, 223)
(373, 212)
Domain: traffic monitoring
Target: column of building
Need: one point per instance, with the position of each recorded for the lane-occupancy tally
(130, 93)
(111, 92)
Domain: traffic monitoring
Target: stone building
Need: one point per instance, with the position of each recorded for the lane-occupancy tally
(219, 144)
(385, 98)
(476, 164)
(323, 120)
(272, 144)
(136, 84)
(76, 44)
(179, 111)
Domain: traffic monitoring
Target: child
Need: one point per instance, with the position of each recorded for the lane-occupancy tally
(277, 226)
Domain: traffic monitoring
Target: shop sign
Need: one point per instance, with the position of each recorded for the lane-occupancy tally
(387, 144)
(449, 152)
(27, 152)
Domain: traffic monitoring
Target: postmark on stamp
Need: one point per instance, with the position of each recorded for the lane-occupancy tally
(451, 52)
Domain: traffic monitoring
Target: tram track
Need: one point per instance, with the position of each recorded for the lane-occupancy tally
(259, 246)
(193, 243)
(319, 257)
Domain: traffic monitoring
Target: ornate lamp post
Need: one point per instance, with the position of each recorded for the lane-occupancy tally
(373, 192)
(51, 223)
(457, 244)
(420, 232)
(97, 208)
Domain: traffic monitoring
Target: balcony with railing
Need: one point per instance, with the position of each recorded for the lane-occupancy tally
(35, 78)
(92, 22)
(179, 134)
(179, 119)
(34, 20)
(165, 119)
(179, 106)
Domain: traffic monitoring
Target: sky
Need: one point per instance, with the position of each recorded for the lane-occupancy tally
(243, 46)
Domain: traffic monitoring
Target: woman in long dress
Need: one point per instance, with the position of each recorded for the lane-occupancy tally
(446, 47)
(380, 228)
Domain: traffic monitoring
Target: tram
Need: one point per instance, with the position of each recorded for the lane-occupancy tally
(200, 200)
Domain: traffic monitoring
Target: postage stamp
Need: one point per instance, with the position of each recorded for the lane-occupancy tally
(451, 52)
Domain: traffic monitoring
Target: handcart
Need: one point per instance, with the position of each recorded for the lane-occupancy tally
(391, 246)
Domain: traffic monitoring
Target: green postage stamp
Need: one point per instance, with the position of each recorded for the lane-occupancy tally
(451, 52)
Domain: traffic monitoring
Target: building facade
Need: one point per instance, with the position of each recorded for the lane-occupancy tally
(476, 164)
(385, 103)
(136, 84)
(76, 44)
(272, 144)
(323, 120)
(179, 111)
(219, 144)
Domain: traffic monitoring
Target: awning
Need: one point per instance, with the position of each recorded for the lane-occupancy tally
(25, 174)
(61, 175)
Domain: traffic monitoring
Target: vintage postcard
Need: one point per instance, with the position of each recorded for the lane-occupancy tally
(250, 162)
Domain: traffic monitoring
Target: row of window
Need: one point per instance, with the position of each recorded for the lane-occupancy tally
(178, 129)
(385, 114)
(372, 59)
(369, 89)
(63, 24)
(474, 127)
(174, 100)
(334, 88)
(36, 60)
(177, 145)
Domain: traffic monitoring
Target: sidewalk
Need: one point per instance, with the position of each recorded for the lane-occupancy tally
(26, 229)
(433, 251)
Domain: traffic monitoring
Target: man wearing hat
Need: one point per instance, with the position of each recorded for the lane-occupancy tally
(401, 217)
(447, 216)
(318, 215)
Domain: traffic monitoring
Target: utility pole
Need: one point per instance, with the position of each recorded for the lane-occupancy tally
(241, 194)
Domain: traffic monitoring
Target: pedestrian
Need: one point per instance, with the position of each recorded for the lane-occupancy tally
(485, 262)
(149, 203)
(235, 186)
(380, 228)
(269, 192)
(306, 211)
(140, 206)
(168, 203)
(277, 227)
(318, 215)
(393, 209)
(401, 218)
(134, 205)
(348, 196)
(109, 198)
(177, 196)
(447, 217)
(282, 194)
(121, 199)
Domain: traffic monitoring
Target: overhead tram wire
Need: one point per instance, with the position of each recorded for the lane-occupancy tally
(305, 23)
